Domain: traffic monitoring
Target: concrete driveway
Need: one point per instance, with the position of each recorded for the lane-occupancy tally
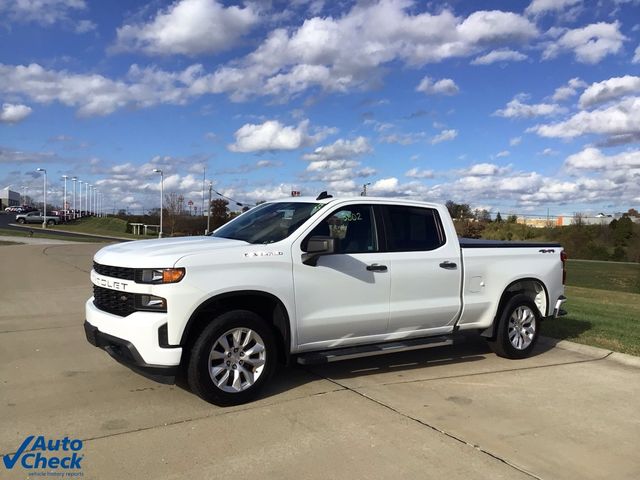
(448, 413)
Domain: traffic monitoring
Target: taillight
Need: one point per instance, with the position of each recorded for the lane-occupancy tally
(563, 258)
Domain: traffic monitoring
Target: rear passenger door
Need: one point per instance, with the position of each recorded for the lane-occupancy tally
(425, 270)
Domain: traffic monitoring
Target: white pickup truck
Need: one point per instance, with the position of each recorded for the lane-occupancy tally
(314, 280)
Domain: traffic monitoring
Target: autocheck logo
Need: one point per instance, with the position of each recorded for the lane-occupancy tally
(41, 453)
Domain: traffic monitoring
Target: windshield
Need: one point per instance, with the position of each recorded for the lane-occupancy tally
(269, 222)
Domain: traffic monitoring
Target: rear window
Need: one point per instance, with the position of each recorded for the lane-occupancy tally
(411, 229)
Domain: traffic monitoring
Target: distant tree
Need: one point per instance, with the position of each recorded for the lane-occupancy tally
(512, 219)
(219, 212)
(173, 207)
(260, 202)
(459, 211)
(578, 219)
(498, 218)
(482, 215)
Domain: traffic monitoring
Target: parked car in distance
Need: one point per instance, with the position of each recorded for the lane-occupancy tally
(36, 217)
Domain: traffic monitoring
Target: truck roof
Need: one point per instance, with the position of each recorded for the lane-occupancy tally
(399, 201)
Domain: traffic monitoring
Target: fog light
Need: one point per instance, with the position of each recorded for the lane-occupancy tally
(152, 302)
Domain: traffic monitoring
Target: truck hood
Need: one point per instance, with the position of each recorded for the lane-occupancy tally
(162, 253)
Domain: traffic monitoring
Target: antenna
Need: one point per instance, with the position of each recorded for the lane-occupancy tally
(323, 195)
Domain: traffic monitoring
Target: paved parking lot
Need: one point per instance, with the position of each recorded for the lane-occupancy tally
(455, 412)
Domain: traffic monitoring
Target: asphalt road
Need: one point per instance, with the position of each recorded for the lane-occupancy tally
(447, 413)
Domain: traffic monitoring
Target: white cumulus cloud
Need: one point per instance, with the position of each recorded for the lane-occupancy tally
(622, 118)
(444, 136)
(188, 27)
(516, 108)
(502, 55)
(446, 86)
(608, 90)
(589, 44)
(12, 113)
(271, 135)
(538, 7)
(569, 90)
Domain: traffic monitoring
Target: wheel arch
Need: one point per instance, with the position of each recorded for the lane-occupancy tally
(266, 305)
(532, 287)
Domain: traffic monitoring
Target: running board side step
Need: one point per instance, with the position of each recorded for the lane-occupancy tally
(335, 355)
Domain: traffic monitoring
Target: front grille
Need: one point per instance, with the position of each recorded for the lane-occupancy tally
(114, 301)
(115, 272)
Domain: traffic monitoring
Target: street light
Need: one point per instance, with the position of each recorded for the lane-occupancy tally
(74, 179)
(24, 195)
(209, 210)
(364, 189)
(157, 170)
(64, 202)
(86, 198)
(44, 218)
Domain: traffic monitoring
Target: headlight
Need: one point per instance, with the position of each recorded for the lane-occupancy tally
(160, 275)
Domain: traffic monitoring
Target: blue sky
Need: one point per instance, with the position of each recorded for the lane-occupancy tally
(518, 107)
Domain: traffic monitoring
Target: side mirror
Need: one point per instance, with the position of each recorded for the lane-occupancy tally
(316, 247)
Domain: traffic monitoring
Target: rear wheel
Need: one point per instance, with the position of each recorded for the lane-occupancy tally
(232, 359)
(51, 222)
(518, 328)
(21, 220)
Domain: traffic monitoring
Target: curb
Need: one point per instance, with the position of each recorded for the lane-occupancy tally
(588, 350)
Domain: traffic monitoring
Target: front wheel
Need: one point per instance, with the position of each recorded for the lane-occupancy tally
(518, 328)
(51, 222)
(21, 221)
(232, 359)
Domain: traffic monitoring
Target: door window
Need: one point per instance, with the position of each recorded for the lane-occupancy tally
(411, 229)
(353, 227)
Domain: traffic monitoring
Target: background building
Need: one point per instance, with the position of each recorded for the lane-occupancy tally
(9, 198)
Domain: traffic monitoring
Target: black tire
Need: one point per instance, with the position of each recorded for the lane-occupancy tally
(51, 222)
(21, 221)
(519, 328)
(198, 371)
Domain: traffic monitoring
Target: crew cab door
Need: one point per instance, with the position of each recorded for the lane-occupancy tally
(425, 270)
(345, 297)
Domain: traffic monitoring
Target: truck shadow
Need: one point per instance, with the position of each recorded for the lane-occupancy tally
(396, 367)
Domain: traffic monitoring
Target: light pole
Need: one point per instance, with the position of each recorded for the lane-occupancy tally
(80, 199)
(87, 201)
(24, 195)
(64, 202)
(209, 209)
(157, 170)
(364, 189)
(74, 179)
(44, 218)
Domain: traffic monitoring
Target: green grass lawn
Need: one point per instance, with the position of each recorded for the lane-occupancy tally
(111, 227)
(4, 242)
(601, 318)
(39, 233)
(617, 277)
(603, 301)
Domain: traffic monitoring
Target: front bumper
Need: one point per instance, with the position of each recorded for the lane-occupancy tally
(126, 353)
